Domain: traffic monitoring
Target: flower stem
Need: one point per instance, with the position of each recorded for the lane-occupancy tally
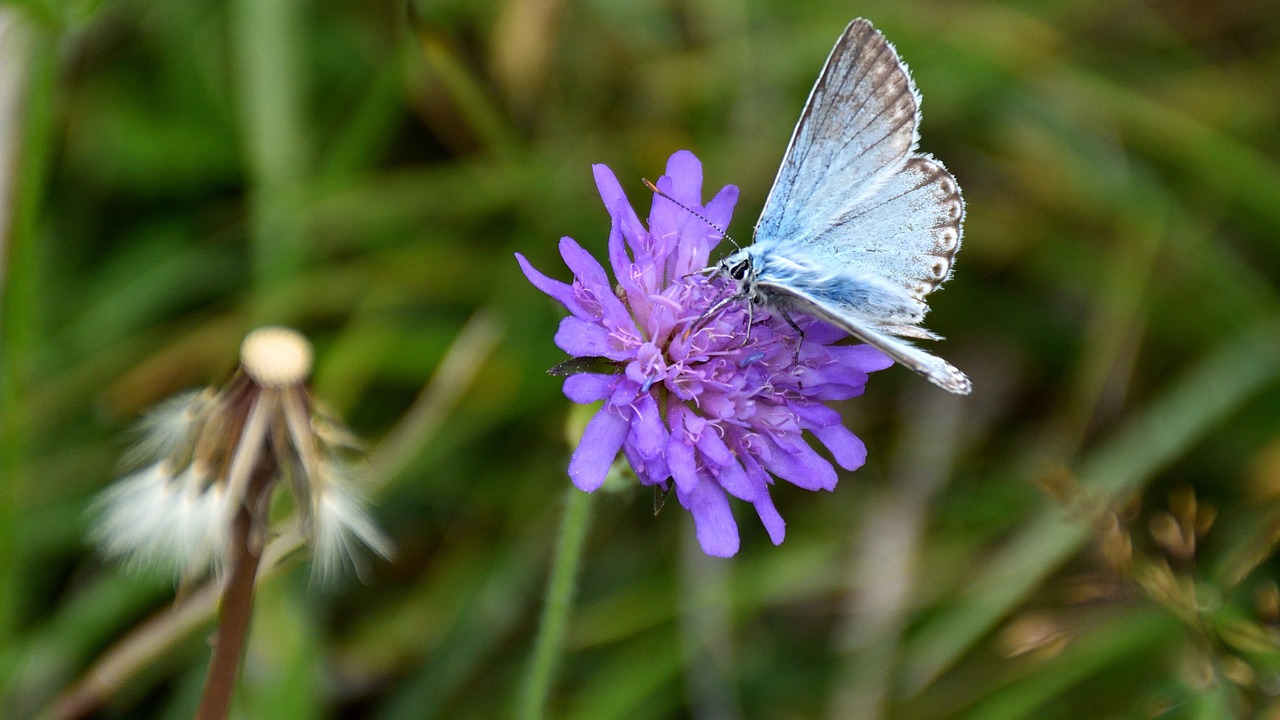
(237, 597)
(549, 644)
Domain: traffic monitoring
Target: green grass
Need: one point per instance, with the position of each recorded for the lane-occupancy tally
(183, 171)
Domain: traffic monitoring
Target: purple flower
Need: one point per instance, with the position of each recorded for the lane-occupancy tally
(691, 401)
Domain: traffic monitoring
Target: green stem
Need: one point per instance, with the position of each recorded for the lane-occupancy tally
(549, 644)
(28, 101)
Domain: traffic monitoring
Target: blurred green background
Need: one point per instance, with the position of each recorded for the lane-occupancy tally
(1089, 534)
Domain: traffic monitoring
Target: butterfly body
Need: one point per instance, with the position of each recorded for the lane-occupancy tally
(859, 227)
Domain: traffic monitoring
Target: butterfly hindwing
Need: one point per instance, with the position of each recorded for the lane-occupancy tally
(908, 231)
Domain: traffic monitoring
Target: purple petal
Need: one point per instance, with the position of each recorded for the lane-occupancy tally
(651, 470)
(848, 449)
(714, 449)
(769, 517)
(668, 222)
(802, 467)
(712, 519)
(684, 465)
(720, 209)
(820, 334)
(687, 423)
(586, 388)
(647, 429)
(818, 388)
(592, 275)
(737, 483)
(600, 444)
(563, 292)
(684, 169)
(860, 357)
(698, 238)
(580, 338)
(609, 188)
(623, 266)
(687, 232)
(666, 218)
(615, 201)
(755, 471)
(648, 366)
(585, 267)
(814, 414)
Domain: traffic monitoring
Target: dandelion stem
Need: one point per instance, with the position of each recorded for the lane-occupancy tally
(237, 596)
(549, 644)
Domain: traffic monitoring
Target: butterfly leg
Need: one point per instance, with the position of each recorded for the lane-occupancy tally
(799, 331)
(712, 311)
(751, 321)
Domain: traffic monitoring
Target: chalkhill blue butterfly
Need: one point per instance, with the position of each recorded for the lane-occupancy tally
(859, 227)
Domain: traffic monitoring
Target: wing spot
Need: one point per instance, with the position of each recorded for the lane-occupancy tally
(940, 268)
(947, 239)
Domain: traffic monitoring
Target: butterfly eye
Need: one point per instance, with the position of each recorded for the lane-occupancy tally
(739, 271)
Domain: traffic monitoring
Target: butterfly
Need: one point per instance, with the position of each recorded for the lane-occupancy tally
(859, 227)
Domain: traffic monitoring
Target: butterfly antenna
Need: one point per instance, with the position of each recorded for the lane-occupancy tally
(692, 212)
(719, 305)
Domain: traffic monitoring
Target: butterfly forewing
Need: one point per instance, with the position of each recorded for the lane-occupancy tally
(858, 126)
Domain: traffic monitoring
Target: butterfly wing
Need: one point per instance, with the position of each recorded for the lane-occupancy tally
(858, 127)
(814, 303)
(851, 188)
(858, 227)
(907, 232)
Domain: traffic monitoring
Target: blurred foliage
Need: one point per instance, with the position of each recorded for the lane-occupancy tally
(1090, 534)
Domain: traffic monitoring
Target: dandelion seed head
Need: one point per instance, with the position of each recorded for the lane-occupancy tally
(200, 453)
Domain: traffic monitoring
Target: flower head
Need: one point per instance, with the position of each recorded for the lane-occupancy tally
(205, 455)
(709, 404)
